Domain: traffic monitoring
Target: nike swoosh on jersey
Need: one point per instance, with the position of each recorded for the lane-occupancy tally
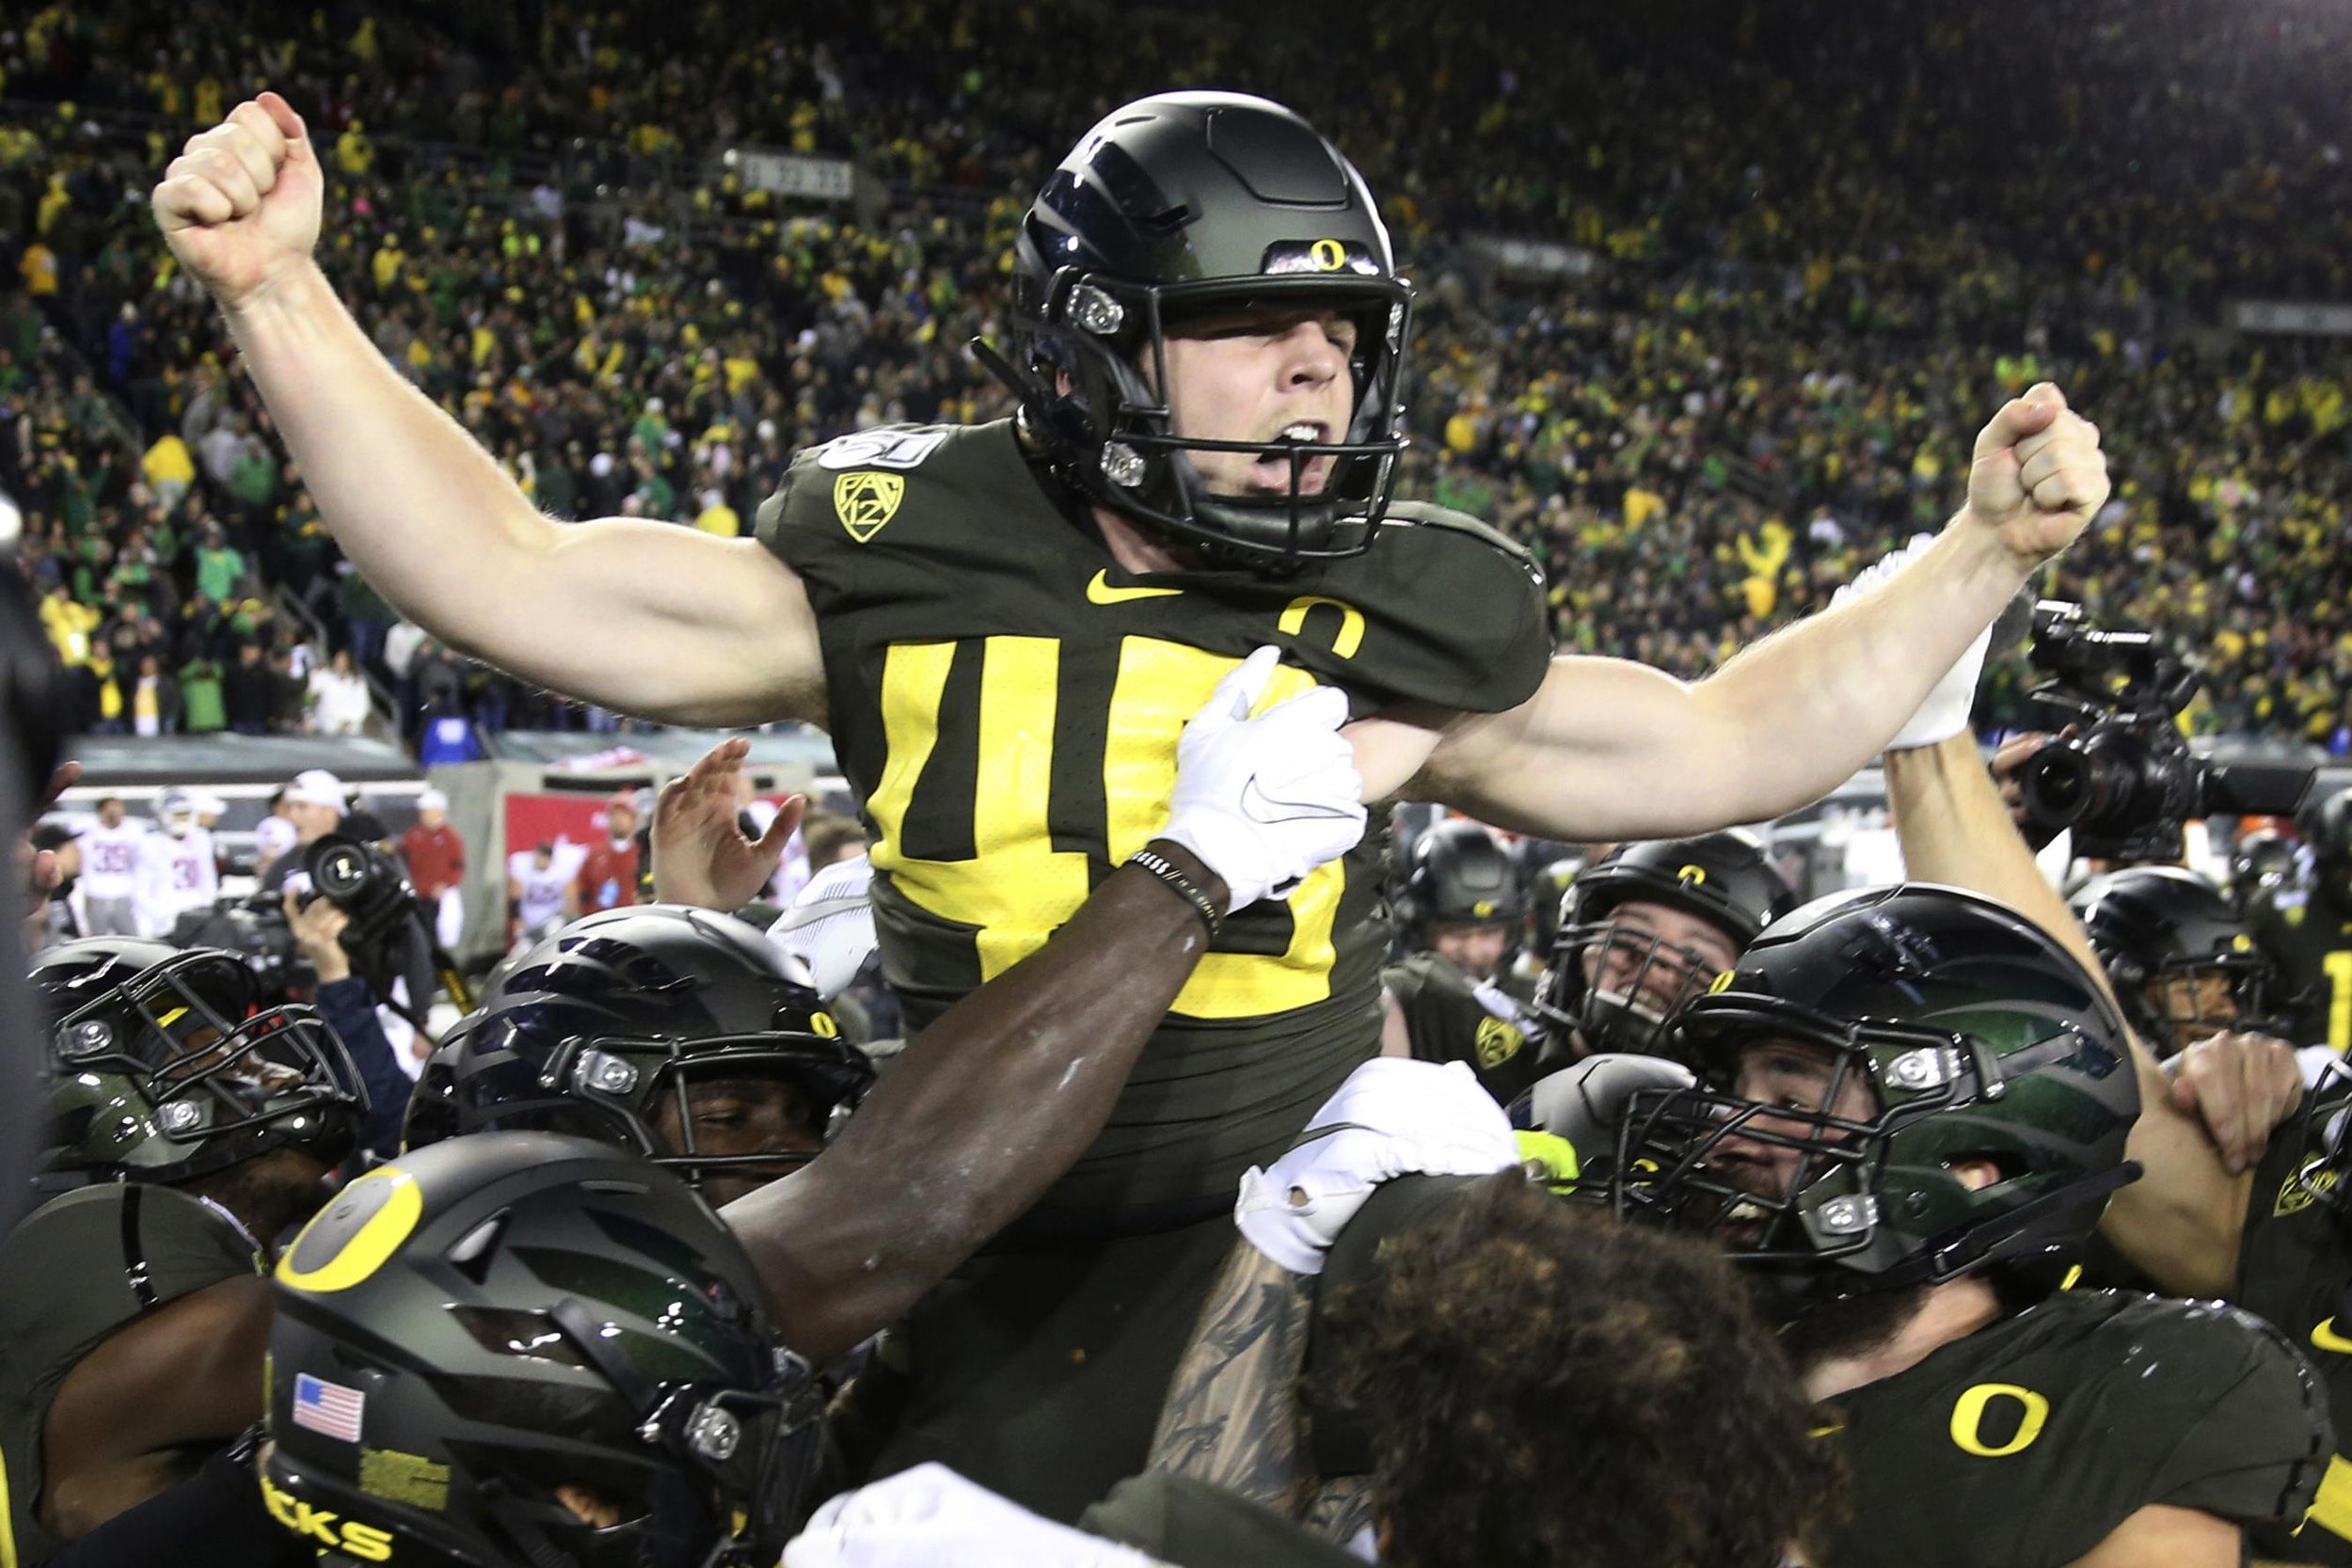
(1099, 591)
(1265, 808)
(2324, 1335)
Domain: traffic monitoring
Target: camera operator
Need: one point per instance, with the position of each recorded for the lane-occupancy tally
(343, 1000)
(314, 803)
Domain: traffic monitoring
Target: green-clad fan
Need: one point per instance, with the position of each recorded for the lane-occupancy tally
(1462, 911)
(194, 1127)
(1004, 628)
(1912, 1108)
(2307, 930)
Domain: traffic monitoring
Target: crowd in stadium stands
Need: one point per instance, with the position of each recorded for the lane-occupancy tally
(1819, 262)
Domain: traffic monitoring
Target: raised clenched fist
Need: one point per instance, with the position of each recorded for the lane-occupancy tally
(2038, 477)
(240, 205)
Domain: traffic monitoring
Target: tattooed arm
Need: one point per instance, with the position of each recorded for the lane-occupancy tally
(1233, 1417)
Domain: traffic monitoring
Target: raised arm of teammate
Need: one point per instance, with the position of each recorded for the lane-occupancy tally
(1606, 749)
(661, 622)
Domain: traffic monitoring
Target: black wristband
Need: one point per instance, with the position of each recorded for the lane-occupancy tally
(1164, 869)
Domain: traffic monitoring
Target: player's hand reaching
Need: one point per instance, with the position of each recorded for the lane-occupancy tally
(1584, 1103)
(1262, 802)
(2038, 476)
(240, 205)
(1392, 1118)
(932, 1517)
(700, 855)
(2241, 1087)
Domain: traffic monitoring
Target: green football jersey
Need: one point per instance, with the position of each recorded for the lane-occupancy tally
(1450, 1018)
(1005, 699)
(2295, 1269)
(72, 1273)
(2031, 1441)
(2308, 934)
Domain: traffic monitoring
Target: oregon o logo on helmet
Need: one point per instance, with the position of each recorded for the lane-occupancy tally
(1694, 874)
(1721, 982)
(1328, 255)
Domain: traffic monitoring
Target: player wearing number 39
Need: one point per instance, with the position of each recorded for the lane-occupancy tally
(1005, 626)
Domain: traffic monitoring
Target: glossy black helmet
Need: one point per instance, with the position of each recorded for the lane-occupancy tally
(1866, 1048)
(626, 1020)
(478, 1336)
(1461, 876)
(1619, 988)
(2178, 953)
(1187, 204)
(163, 1065)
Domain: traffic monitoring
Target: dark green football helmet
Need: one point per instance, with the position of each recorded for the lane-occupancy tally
(1864, 1045)
(478, 1325)
(163, 1065)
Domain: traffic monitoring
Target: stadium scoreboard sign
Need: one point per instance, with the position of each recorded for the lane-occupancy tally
(794, 175)
(2290, 318)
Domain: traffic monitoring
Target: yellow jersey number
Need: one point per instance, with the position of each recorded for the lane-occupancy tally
(1017, 888)
(2339, 971)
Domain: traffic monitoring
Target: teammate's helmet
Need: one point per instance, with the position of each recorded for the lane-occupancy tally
(1176, 205)
(175, 811)
(1970, 1035)
(618, 1012)
(2263, 859)
(1721, 877)
(163, 1065)
(1460, 877)
(2162, 927)
(2327, 828)
(1546, 896)
(495, 1318)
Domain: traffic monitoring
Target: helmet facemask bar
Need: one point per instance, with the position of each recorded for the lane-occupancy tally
(627, 1079)
(1123, 450)
(1671, 1143)
(2246, 978)
(212, 1075)
(753, 1448)
(1628, 1016)
(1671, 1171)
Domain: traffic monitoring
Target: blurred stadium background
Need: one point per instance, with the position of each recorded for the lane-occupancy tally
(1714, 296)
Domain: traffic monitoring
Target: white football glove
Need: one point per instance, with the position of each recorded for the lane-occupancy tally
(1392, 1117)
(932, 1517)
(1262, 802)
(1584, 1103)
(1945, 712)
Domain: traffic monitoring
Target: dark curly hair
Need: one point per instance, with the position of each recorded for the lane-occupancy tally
(1545, 1386)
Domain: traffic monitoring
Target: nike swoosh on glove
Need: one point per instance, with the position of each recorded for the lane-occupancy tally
(1262, 802)
(932, 1517)
(1392, 1117)
(1944, 713)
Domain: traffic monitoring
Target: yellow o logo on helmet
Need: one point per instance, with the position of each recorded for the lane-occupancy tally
(1327, 255)
(1694, 874)
(1721, 982)
(351, 1237)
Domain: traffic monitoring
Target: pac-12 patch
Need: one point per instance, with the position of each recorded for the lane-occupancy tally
(328, 1409)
